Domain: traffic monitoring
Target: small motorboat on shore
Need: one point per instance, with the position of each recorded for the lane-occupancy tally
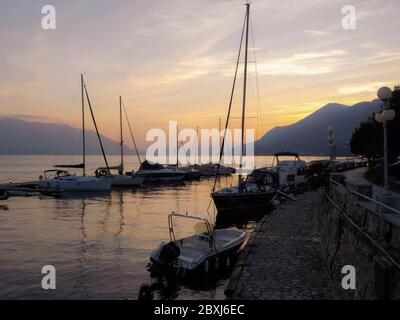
(207, 249)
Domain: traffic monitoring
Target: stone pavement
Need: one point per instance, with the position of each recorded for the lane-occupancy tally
(285, 260)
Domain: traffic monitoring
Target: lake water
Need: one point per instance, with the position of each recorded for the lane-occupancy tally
(98, 244)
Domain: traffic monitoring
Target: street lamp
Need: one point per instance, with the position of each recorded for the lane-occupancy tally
(347, 149)
(332, 147)
(385, 94)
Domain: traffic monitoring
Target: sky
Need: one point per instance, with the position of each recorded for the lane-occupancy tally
(174, 60)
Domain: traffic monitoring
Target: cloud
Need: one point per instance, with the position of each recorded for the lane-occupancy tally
(361, 88)
(308, 63)
(188, 70)
(316, 32)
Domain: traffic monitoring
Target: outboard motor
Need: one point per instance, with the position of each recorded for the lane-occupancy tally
(168, 254)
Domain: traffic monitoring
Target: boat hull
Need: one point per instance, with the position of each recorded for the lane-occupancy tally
(126, 181)
(215, 265)
(156, 176)
(242, 203)
(72, 184)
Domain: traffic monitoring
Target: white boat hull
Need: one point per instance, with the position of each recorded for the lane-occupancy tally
(76, 183)
(125, 180)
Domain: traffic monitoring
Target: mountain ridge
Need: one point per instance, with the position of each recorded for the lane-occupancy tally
(308, 136)
(43, 138)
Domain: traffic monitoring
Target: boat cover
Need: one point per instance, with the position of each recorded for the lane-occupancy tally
(146, 165)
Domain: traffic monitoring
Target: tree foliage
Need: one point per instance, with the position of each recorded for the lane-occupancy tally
(367, 139)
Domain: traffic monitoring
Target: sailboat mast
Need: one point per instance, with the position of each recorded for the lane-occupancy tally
(95, 126)
(244, 89)
(83, 129)
(122, 141)
(177, 146)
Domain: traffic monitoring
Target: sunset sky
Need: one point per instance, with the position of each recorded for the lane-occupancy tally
(174, 59)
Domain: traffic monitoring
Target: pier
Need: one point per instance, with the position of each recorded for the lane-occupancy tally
(283, 259)
(300, 249)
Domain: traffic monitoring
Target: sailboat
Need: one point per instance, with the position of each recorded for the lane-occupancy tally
(190, 173)
(62, 180)
(244, 198)
(120, 179)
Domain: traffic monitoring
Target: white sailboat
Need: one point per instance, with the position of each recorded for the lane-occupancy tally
(120, 179)
(62, 180)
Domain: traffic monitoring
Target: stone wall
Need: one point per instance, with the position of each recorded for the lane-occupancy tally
(354, 232)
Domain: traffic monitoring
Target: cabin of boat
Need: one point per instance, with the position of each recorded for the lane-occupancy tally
(291, 173)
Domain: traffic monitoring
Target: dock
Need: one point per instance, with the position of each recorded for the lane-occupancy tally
(19, 185)
(283, 258)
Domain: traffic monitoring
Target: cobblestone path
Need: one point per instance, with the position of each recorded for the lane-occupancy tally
(285, 260)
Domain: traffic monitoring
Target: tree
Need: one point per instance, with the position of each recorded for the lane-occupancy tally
(367, 139)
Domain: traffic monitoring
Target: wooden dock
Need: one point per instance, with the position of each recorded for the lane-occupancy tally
(19, 185)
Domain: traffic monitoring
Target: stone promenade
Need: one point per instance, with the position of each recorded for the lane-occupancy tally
(285, 260)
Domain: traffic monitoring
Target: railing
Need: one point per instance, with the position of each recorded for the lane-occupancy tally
(380, 204)
(374, 243)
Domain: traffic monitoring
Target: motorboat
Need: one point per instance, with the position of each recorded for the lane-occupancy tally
(209, 170)
(64, 181)
(205, 250)
(291, 172)
(190, 173)
(157, 173)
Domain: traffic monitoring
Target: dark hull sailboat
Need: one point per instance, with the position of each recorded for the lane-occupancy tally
(246, 199)
(242, 202)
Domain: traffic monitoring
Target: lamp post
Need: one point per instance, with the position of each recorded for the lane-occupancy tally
(385, 94)
(347, 149)
(332, 147)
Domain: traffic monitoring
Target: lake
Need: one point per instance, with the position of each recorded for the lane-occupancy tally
(98, 244)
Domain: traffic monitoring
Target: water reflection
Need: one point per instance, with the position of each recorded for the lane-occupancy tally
(99, 243)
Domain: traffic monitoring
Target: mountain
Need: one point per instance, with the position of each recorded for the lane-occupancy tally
(309, 136)
(23, 137)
